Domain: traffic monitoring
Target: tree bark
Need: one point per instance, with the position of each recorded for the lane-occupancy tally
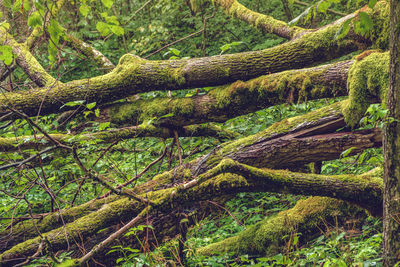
(391, 199)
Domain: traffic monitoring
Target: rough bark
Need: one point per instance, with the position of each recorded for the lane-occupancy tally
(265, 23)
(90, 52)
(308, 217)
(220, 180)
(391, 200)
(26, 142)
(134, 75)
(239, 98)
(217, 175)
(27, 61)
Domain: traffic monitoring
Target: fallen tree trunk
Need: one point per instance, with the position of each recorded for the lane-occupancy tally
(26, 142)
(239, 98)
(306, 219)
(133, 75)
(216, 175)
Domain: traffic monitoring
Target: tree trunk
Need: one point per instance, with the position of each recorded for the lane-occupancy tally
(391, 199)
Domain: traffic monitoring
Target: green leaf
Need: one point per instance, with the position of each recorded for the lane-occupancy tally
(112, 20)
(175, 51)
(323, 6)
(84, 9)
(102, 28)
(5, 25)
(107, 3)
(97, 112)
(365, 24)
(91, 105)
(225, 47)
(6, 54)
(372, 3)
(104, 126)
(35, 20)
(300, 17)
(167, 115)
(343, 30)
(73, 103)
(117, 30)
(346, 152)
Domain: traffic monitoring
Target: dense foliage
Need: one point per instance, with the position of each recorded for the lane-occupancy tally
(55, 180)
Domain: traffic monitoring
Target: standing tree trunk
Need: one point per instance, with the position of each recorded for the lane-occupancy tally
(391, 145)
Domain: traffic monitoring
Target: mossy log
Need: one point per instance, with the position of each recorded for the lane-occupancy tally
(90, 52)
(217, 175)
(221, 180)
(263, 149)
(306, 218)
(27, 61)
(239, 98)
(265, 23)
(133, 74)
(26, 142)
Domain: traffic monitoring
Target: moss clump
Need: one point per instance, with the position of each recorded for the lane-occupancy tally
(368, 79)
(144, 110)
(266, 237)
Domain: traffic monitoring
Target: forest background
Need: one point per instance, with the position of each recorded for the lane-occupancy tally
(51, 163)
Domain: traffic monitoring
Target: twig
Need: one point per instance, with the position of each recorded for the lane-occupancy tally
(179, 147)
(20, 163)
(140, 174)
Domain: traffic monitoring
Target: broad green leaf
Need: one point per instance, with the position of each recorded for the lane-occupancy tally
(300, 17)
(6, 54)
(372, 3)
(112, 20)
(323, 6)
(117, 30)
(5, 25)
(91, 105)
(35, 20)
(107, 3)
(84, 9)
(73, 103)
(1, 14)
(343, 30)
(102, 28)
(366, 21)
(104, 126)
(346, 152)
(175, 51)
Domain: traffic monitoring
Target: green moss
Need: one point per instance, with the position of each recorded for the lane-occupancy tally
(367, 79)
(266, 237)
(380, 34)
(144, 110)
(281, 127)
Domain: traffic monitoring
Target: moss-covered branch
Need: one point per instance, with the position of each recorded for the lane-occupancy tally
(227, 177)
(219, 175)
(265, 23)
(134, 75)
(237, 99)
(368, 81)
(27, 61)
(266, 237)
(25, 142)
(90, 52)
